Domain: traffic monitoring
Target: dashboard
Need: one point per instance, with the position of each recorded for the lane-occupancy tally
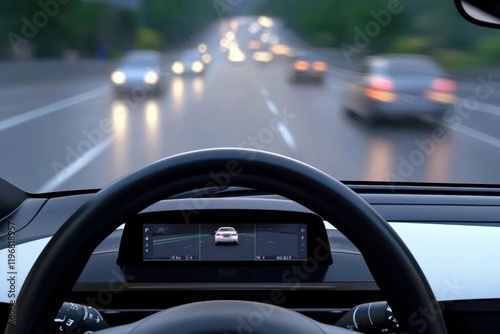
(246, 246)
(198, 242)
(215, 246)
(223, 237)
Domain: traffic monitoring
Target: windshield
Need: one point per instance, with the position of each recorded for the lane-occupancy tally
(70, 120)
(138, 62)
(192, 55)
(406, 65)
(226, 229)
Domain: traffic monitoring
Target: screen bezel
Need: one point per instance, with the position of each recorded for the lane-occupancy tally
(131, 246)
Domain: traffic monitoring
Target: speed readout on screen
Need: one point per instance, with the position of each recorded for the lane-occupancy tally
(215, 242)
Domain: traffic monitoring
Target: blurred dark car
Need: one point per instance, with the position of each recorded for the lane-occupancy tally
(189, 63)
(308, 68)
(400, 86)
(139, 73)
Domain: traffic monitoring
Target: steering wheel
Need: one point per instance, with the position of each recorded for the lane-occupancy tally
(61, 262)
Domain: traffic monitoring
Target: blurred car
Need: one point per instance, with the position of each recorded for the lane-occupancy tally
(190, 63)
(263, 54)
(139, 72)
(226, 235)
(308, 67)
(400, 86)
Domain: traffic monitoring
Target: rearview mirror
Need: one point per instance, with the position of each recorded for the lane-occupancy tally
(480, 12)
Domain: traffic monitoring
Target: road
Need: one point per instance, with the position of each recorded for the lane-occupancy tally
(267, 245)
(202, 247)
(175, 247)
(61, 126)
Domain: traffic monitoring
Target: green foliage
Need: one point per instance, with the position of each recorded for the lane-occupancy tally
(50, 28)
(452, 59)
(487, 48)
(147, 39)
(363, 27)
(333, 22)
(178, 21)
(410, 45)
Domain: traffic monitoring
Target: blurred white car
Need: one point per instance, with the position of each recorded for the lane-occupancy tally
(226, 235)
(139, 72)
(190, 63)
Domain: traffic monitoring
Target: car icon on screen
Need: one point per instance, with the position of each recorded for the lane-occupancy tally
(226, 235)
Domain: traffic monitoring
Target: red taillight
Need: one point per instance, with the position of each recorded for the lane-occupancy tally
(234, 234)
(319, 66)
(301, 65)
(381, 89)
(381, 83)
(444, 85)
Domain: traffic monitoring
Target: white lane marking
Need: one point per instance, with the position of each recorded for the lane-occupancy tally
(272, 107)
(271, 242)
(483, 107)
(52, 107)
(188, 246)
(287, 136)
(264, 92)
(282, 129)
(76, 166)
(465, 130)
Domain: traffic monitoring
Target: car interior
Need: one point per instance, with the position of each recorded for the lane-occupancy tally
(244, 240)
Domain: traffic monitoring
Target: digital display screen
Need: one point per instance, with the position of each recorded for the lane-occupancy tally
(237, 242)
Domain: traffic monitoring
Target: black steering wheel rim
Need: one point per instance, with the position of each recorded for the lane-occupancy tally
(392, 265)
